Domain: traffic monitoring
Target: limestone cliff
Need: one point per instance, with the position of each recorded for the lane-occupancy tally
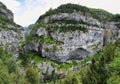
(10, 32)
(72, 33)
(5, 13)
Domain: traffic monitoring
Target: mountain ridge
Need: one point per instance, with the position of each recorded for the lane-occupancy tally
(76, 30)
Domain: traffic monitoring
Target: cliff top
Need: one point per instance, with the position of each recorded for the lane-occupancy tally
(99, 14)
(7, 18)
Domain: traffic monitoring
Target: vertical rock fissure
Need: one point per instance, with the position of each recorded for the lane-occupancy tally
(40, 49)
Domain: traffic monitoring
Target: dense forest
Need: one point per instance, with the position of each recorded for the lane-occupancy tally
(102, 68)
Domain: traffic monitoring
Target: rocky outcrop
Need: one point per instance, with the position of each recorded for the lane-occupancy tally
(111, 33)
(10, 33)
(72, 17)
(75, 45)
(5, 13)
(67, 30)
(9, 40)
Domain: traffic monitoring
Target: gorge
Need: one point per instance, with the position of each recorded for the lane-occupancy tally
(71, 44)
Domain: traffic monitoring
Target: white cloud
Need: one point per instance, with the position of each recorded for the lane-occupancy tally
(29, 11)
(11, 4)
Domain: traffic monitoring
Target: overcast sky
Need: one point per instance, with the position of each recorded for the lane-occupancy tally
(26, 12)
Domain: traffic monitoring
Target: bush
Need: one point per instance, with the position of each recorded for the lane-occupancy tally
(32, 76)
(11, 66)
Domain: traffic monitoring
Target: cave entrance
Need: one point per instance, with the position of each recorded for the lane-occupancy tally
(78, 54)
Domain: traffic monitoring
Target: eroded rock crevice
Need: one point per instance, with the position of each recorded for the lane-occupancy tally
(111, 33)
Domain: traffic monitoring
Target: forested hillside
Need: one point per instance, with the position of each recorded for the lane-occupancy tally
(71, 44)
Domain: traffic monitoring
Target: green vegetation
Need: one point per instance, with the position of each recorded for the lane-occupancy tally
(63, 26)
(43, 40)
(101, 15)
(98, 14)
(116, 18)
(104, 68)
(114, 66)
(71, 79)
(29, 56)
(10, 72)
(34, 57)
(39, 39)
(32, 76)
(4, 22)
(69, 28)
(66, 25)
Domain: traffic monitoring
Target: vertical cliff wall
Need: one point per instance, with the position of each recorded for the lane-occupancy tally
(10, 32)
(72, 33)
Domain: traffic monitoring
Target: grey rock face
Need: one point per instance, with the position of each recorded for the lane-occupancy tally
(76, 45)
(32, 46)
(41, 32)
(10, 33)
(5, 13)
(119, 34)
(72, 17)
(46, 66)
(9, 40)
(111, 33)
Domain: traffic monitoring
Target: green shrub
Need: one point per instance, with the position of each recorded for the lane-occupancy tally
(32, 76)
(11, 66)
